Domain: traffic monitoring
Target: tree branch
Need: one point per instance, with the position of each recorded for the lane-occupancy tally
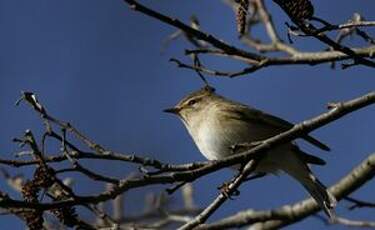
(289, 214)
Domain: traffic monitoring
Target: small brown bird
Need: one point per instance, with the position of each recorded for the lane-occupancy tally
(216, 124)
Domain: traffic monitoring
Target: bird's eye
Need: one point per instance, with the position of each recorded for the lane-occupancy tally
(192, 102)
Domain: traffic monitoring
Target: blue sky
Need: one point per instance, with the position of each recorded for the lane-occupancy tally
(99, 65)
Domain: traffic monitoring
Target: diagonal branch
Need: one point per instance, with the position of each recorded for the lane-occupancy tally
(223, 196)
(289, 214)
(135, 5)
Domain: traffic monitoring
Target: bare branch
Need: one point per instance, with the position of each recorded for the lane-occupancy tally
(300, 58)
(311, 30)
(193, 32)
(222, 197)
(359, 203)
(289, 214)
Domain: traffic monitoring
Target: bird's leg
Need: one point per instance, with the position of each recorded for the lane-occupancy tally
(224, 189)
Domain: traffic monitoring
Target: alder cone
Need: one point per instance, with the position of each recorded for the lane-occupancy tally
(30, 191)
(34, 219)
(297, 9)
(66, 215)
(44, 176)
(241, 16)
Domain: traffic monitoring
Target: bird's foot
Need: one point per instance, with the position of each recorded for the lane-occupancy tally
(226, 191)
(240, 147)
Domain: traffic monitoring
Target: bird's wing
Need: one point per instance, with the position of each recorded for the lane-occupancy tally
(274, 123)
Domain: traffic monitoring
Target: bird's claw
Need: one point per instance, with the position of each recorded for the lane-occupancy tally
(244, 146)
(225, 190)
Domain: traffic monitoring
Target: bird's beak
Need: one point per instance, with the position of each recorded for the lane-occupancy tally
(173, 110)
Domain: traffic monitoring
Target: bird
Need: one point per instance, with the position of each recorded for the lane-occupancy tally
(216, 124)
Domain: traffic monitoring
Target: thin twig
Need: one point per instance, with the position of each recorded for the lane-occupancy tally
(359, 203)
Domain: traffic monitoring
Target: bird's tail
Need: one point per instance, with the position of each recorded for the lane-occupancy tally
(317, 190)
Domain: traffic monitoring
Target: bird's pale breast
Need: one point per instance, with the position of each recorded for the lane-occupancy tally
(215, 136)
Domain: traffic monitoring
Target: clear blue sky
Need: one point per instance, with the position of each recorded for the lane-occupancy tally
(99, 65)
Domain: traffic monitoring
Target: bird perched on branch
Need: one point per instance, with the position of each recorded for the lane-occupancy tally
(216, 124)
